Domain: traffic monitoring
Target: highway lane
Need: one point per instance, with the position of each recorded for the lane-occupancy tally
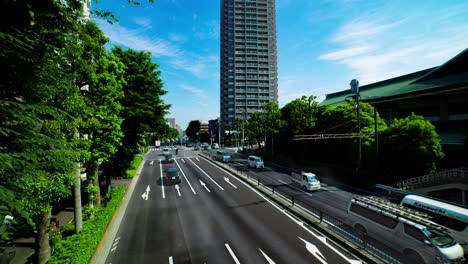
(210, 220)
(329, 199)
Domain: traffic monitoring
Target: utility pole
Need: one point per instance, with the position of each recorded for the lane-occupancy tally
(219, 130)
(355, 89)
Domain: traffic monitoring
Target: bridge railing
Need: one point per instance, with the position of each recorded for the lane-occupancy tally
(458, 175)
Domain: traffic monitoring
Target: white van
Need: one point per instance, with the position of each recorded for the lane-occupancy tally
(255, 162)
(223, 156)
(418, 240)
(450, 216)
(307, 180)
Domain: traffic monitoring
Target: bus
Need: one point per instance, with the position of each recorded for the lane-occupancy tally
(450, 216)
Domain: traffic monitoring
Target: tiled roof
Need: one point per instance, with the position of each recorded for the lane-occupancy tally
(452, 73)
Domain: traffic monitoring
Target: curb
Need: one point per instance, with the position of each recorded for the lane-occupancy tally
(104, 246)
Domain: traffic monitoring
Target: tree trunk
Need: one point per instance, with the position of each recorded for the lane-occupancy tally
(97, 182)
(77, 205)
(43, 250)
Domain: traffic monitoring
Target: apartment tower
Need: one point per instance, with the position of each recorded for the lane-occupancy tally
(249, 76)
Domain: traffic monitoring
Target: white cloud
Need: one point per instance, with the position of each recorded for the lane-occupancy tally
(346, 53)
(195, 91)
(375, 51)
(176, 37)
(360, 30)
(143, 21)
(136, 40)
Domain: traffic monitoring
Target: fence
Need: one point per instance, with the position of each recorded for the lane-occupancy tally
(459, 175)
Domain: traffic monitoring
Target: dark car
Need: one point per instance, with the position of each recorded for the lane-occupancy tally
(172, 176)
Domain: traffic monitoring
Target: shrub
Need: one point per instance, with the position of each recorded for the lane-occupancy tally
(79, 248)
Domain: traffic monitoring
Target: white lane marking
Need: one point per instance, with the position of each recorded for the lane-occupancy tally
(326, 189)
(185, 177)
(162, 183)
(314, 251)
(177, 188)
(146, 193)
(270, 261)
(197, 159)
(206, 174)
(204, 185)
(232, 254)
(183, 159)
(299, 223)
(227, 180)
(290, 185)
(170, 260)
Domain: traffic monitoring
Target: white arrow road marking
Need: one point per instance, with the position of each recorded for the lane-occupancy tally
(177, 188)
(185, 177)
(206, 174)
(314, 250)
(162, 183)
(197, 159)
(204, 185)
(232, 254)
(146, 193)
(270, 261)
(227, 180)
(151, 163)
(170, 260)
(183, 160)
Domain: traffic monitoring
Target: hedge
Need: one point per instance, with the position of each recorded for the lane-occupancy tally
(79, 248)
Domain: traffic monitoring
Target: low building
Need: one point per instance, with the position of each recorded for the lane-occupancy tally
(439, 94)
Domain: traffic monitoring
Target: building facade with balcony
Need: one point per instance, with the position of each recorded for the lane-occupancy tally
(249, 77)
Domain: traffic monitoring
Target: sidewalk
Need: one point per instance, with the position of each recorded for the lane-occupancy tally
(22, 249)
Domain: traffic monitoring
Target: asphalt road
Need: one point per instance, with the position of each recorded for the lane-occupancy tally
(211, 217)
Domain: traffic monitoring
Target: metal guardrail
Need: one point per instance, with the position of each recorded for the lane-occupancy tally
(459, 175)
(334, 226)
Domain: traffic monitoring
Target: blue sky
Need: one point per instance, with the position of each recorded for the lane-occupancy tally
(322, 45)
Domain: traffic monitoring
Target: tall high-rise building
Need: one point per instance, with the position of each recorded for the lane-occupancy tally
(249, 75)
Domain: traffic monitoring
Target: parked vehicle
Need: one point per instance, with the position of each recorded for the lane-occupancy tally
(215, 146)
(255, 162)
(157, 143)
(223, 156)
(172, 176)
(307, 180)
(450, 216)
(404, 230)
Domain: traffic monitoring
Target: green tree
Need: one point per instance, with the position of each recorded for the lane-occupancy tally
(143, 108)
(192, 130)
(410, 147)
(255, 128)
(272, 122)
(300, 116)
(38, 46)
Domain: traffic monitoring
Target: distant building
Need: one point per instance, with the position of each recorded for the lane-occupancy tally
(171, 122)
(249, 77)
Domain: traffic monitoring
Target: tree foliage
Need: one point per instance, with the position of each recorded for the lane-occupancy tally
(192, 130)
(143, 108)
(410, 147)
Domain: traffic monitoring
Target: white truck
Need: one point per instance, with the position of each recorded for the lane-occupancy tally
(307, 180)
(157, 143)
